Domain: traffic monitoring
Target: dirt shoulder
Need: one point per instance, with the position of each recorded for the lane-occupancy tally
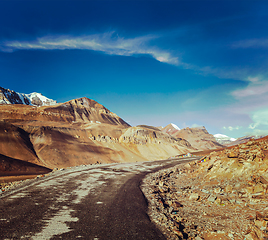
(222, 197)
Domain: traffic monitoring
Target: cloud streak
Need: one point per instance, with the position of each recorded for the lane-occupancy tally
(251, 43)
(252, 90)
(109, 43)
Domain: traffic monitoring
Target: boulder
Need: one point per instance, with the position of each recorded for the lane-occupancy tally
(232, 155)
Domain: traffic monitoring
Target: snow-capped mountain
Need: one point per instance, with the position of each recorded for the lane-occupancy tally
(38, 99)
(170, 129)
(223, 139)
(11, 97)
(8, 96)
(175, 126)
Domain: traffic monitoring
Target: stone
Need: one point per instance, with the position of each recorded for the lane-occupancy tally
(218, 201)
(212, 198)
(217, 190)
(177, 205)
(259, 216)
(261, 224)
(258, 188)
(232, 155)
(228, 189)
(230, 235)
(178, 232)
(251, 236)
(194, 196)
(169, 203)
(258, 232)
(264, 179)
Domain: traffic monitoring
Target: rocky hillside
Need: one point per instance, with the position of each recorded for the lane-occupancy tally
(153, 144)
(198, 137)
(171, 129)
(79, 110)
(80, 131)
(223, 196)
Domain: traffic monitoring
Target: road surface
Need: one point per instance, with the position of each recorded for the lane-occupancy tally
(85, 202)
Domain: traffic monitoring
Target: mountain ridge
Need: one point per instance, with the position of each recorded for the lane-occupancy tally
(8, 96)
(79, 131)
(198, 137)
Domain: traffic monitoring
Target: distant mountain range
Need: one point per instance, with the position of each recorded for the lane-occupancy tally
(81, 131)
(198, 137)
(36, 99)
(43, 134)
(195, 135)
(223, 139)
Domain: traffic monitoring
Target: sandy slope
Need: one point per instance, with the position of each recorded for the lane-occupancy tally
(77, 132)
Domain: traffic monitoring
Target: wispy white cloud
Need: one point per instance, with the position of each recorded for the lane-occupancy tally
(233, 72)
(252, 90)
(112, 44)
(259, 117)
(230, 128)
(250, 99)
(251, 43)
(109, 43)
(252, 104)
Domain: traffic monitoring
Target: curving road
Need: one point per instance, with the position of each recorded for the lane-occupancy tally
(85, 202)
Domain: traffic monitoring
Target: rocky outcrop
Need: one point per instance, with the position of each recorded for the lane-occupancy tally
(87, 110)
(171, 129)
(198, 137)
(81, 110)
(11, 97)
(222, 196)
(152, 143)
(144, 135)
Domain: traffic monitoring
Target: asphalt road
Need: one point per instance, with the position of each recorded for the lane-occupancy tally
(86, 202)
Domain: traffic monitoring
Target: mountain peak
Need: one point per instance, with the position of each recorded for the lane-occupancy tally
(38, 99)
(170, 129)
(8, 96)
(222, 136)
(175, 126)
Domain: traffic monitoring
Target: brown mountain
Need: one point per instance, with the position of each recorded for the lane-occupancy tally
(171, 129)
(198, 137)
(77, 110)
(80, 131)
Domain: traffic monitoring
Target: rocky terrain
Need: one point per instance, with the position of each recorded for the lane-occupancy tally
(80, 131)
(198, 137)
(224, 196)
(170, 129)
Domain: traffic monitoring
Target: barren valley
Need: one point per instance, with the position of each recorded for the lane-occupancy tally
(83, 154)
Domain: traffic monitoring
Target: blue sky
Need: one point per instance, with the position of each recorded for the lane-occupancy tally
(192, 63)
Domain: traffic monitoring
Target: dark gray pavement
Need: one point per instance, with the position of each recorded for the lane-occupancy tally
(85, 202)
